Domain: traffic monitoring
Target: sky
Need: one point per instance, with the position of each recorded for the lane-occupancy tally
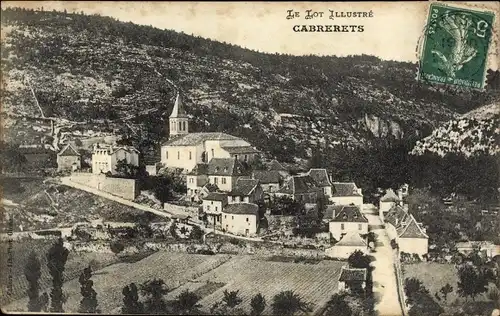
(393, 33)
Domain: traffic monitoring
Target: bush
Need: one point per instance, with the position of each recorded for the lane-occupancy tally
(116, 247)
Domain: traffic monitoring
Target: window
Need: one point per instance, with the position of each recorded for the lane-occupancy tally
(216, 180)
(189, 155)
(178, 155)
(236, 156)
(208, 207)
(342, 226)
(233, 198)
(190, 180)
(247, 219)
(223, 180)
(225, 216)
(184, 128)
(360, 227)
(180, 126)
(216, 209)
(246, 157)
(212, 202)
(212, 153)
(232, 217)
(166, 153)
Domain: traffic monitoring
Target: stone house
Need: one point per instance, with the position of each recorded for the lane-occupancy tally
(68, 159)
(213, 204)
(347, 193)
(348, 219)
(320, 176)
(246, 190)
(349, 243)
(301, 188)
(270, 180)
(224, 172)
(241, 219)
(352, 279)
(387, 201)
(105, 157)
(406, 231)
(196, 179)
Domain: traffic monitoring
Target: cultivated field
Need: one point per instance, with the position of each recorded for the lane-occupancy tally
(208, 276)
(19, 253)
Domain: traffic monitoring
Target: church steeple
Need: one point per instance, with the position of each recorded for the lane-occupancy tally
(178, 120)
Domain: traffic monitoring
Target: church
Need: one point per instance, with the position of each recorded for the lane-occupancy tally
(185, 150)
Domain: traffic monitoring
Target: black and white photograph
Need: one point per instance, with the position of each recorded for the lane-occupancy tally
(250, 158)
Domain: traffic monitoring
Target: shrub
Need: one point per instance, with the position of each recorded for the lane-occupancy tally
(116, 247)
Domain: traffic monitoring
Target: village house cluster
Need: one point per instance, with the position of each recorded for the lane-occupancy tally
(219, 176)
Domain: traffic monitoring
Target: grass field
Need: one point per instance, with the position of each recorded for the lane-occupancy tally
(435, 275)
(18, 255)
(208, 276)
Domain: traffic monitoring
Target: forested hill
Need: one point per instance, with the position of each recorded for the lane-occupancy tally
(88, 68)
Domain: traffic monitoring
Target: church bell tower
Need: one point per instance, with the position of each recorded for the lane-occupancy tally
(179, 121)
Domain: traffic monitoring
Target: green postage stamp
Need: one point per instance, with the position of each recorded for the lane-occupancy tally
(455, 47)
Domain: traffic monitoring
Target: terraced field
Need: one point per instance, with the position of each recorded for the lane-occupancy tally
(174, 268)
(208, 276)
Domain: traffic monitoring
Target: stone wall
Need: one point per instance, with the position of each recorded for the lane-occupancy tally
(124, 188)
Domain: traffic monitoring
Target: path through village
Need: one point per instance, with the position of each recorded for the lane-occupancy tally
(385, 286)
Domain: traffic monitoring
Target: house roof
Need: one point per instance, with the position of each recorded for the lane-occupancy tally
(390, 196)
(276, 166)
(240, 149)
(226, 167)
(114, 148)
(193, 139)
(352, 274)
(320, 176)
(244, 187)
(211, 187)
(267, 176)
(216, 196)
(351, 239)
(350, 214)
(242, 208)
(345, 189)
(411, 229)
(331, 210)
(68, 150)
(396, 215)
(298, 185)
(178, 111)
(199, 169)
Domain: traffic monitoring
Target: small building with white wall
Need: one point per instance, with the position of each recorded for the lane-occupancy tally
(347, 193)
(68, 159)
(387, 201)
(241, 219)
(349, 243)
(348, 219)
(105, 157)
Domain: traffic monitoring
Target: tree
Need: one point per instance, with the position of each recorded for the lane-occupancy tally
(337, 306)
(231, 298)
(154, 290)
(131, 304)
(32, 273)
(56, 260)
(88, 304)
(186, 303)
(472, 281)
(125, 169)
(445, 290)
(196, 233)
(412, 286)
(359, 260)
(288, 303)
(258, 304)
(116, 247)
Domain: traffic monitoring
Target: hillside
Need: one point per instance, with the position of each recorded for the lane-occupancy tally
(97, 77)
(475, 132)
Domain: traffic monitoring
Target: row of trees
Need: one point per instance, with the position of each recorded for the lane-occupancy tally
(56, 261)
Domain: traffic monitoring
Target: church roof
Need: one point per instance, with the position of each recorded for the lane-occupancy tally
(178, 110)
(193, 139)
(68, 150)
(240, 149)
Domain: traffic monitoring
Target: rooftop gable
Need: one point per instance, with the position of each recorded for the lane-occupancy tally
(226, 167)
(320, 176)
(345, 189)
(390, 196)
(68, 150)
(244, 187)
(351, 239)
(178, 111)
(351, 214)
(267, 176)
(412, 229)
